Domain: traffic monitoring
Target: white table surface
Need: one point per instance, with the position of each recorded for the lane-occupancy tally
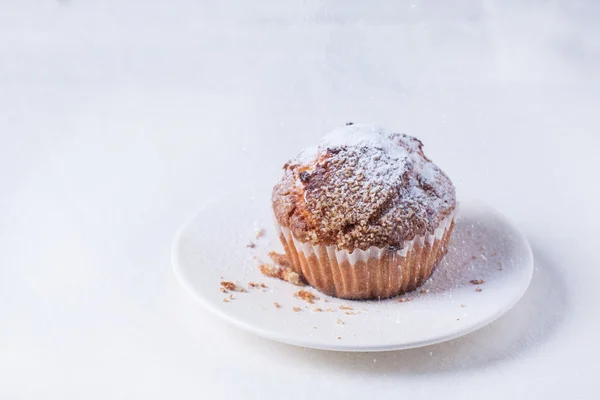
(118, 119)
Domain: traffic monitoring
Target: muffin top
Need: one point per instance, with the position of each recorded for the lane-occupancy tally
(362, 186)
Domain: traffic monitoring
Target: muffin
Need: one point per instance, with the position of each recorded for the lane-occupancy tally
(364, 214)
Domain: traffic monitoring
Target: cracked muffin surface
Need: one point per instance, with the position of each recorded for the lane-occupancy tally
(362, 186)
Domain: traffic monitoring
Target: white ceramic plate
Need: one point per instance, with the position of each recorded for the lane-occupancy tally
(212, 247)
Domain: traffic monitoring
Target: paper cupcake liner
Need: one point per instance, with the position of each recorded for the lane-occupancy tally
(368, 274)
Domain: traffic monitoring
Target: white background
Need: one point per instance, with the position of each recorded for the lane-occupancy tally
(118, 119)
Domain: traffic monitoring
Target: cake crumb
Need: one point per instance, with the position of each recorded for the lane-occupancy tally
(292, 277)
(476, 281)
(403, 300)
(424, 291)
(280, 259)
(260, 233)
(306, 296)
(478, 289)
(458, 319)
(350, 313)
(339, 321)
(314, 327)
(225, 300)
(283, 273)
(343, 307)
(227, 285)
(364, 309)
(339, 337)
(251, 245)
(297, 309)
(462, 306)
(256, 285)
(230, 297)
(330, 310)
(317, 309)
(277, 305)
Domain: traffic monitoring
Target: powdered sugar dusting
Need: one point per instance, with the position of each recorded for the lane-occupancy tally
(363, 185)
(360, 135)
(355, 135)
(307, 155)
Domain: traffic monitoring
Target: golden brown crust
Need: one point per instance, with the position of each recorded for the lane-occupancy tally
(361, 195)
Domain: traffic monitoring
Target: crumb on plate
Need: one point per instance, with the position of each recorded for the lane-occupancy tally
(283, 273)
(306, 296)
(280, 259)
(476, 281)
(255, 285)
(227, 285)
